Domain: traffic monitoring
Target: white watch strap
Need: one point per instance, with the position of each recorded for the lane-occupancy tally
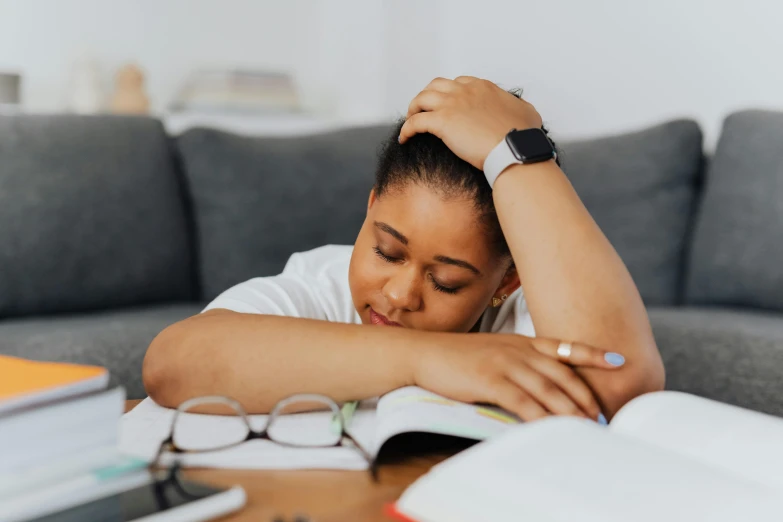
(499, 159)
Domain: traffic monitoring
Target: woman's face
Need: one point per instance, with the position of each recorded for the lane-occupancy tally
(424, 262)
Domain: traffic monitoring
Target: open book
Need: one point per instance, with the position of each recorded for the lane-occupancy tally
(665, 456)
(375, 422)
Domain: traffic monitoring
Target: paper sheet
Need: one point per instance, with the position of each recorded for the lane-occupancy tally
(143, 428)
(743, 441)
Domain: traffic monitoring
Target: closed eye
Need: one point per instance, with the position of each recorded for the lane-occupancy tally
(440, 288)
(388, 259)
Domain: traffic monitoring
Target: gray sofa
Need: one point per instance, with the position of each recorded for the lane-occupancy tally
(111, 230)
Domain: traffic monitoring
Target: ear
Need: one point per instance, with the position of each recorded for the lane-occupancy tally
(509, 283)
(373, 198)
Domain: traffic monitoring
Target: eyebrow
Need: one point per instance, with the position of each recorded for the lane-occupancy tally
(440, 259)
(390, 230)
(457, 262)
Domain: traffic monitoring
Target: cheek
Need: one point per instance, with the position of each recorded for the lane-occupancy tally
(453, 314)
(364, 275)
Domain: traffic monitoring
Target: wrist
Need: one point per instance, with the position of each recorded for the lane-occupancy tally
(518, 147)
(402, 350)
(418, 348)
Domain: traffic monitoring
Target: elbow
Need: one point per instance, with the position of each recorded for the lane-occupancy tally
(631, 382)
(158, 369)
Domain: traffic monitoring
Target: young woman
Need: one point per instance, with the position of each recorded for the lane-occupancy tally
(431, 292)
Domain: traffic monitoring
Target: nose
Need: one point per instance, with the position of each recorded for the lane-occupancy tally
(402, 290)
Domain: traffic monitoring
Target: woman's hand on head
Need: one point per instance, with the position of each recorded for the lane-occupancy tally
(520, 374)
(469, 114)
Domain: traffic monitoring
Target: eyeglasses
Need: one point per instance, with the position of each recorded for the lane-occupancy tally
(326, 430)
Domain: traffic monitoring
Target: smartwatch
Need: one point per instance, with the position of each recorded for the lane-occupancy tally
(519, 147)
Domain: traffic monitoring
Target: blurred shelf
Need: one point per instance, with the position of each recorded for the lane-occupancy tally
(282, 124)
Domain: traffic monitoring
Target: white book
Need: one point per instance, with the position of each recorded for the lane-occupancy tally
(375, 423)
(53, 440)
(119, 474)
(665, 456)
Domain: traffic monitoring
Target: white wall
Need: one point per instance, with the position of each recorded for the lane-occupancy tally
(602, 66)
(591, 67)
(168, 38)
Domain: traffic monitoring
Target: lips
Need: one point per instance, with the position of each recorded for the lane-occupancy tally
(379, 320)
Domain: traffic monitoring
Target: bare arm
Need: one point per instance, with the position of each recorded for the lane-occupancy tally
(575, 284)
(260, 359)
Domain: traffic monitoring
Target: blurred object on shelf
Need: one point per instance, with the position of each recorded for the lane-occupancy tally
(238, 91)
(259, 124)
(86, 93)
(10, 91)
(129, 96)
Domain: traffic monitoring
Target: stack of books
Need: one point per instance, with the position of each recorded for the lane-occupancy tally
(238, 91)
(59, 438)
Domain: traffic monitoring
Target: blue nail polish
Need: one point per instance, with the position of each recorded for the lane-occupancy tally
(399, 139)
(615, 359)
(602, 419)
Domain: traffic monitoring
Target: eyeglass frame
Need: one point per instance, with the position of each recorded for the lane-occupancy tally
(169, 445)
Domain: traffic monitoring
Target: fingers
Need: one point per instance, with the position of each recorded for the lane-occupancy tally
(511, 397)
(420, 123)
(546, 392)
(572, 385)
(426, 100)
(466, 79)
(581, 354)
(442, 85)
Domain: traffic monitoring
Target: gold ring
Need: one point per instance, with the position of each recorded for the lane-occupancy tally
(564, 351)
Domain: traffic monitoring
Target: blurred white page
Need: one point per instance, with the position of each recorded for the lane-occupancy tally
(143, 428)
(566, 469)
(744, 441)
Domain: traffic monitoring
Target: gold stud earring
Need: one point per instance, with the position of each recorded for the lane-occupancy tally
(497, 301)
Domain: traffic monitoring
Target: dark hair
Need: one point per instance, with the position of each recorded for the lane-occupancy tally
(426, 160)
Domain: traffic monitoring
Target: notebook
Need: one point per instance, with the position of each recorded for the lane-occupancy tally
(665, 456)
(25, 383)
(375, 423)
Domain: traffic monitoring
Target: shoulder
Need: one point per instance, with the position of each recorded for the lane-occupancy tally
(513, 316)
(313, 285)
(324, 259)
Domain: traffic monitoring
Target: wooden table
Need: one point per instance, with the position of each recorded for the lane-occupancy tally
(324, 496)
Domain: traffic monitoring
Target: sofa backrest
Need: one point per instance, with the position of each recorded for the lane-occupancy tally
(642, 188)
(258, 200)
(91, 215)
(737, 251)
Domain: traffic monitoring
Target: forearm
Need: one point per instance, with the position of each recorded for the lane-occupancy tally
(576, 285)
(259, 359)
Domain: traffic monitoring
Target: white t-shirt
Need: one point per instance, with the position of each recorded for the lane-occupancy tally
(314, 285)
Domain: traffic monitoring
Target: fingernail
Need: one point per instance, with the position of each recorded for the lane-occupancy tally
(399, 138)
(602, 419)
(615, 359)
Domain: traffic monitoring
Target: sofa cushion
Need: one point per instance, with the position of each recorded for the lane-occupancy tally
(641, 188)
(116, 340)
(737, 252)
(729, 355)
(258, 200)
(91, 215)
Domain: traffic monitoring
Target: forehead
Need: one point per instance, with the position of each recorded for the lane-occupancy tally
(433, 223)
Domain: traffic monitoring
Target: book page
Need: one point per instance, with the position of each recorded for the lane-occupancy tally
(412, 409)
(567, 469)
(743, 441)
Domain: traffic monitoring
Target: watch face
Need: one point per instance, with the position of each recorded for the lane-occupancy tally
(530, 145)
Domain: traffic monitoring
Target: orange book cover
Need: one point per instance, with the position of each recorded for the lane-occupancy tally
(24, 382)
(392, 511)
